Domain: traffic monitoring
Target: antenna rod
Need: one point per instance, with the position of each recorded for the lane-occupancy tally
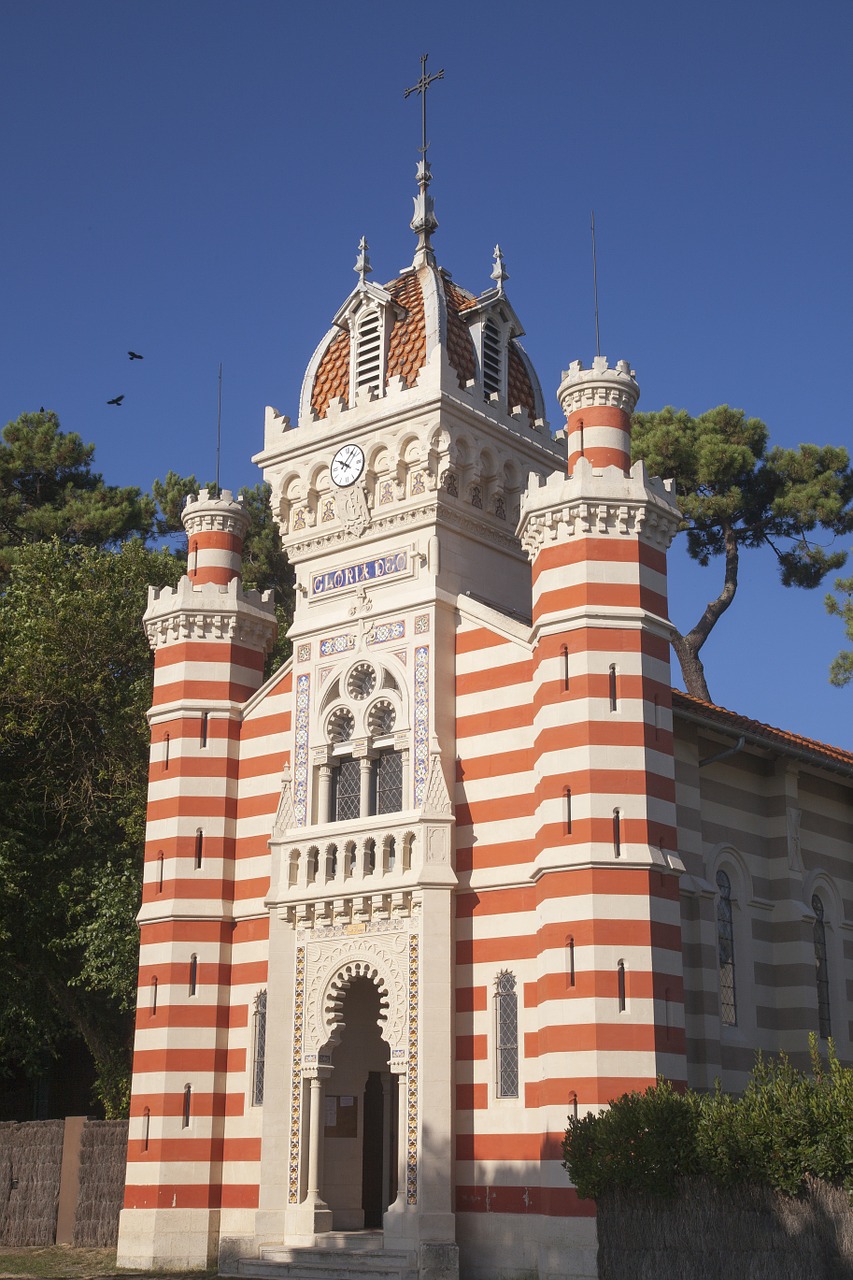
(595, 286)
(218, 428)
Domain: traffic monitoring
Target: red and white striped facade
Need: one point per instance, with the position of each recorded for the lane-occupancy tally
(487, 605)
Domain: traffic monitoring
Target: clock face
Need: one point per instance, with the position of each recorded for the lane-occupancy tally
(347, 465)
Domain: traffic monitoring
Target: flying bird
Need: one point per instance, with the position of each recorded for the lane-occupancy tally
(117, 400)
(133, 355)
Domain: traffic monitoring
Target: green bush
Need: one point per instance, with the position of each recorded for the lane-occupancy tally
(787, 1125)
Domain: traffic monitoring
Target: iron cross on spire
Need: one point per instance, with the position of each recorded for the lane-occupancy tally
(421, 88)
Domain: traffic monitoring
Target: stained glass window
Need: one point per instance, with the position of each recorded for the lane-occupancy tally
(347, 776)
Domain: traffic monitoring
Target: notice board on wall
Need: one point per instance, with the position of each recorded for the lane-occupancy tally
(341, 1115)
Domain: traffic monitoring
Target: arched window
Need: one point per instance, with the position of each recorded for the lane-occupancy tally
(259, 1048)
(621, 993)
(726, 948)
(188, 1102)
(821, 970)
(506, 1026)
(193, 975)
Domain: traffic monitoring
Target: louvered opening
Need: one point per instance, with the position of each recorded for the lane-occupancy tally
(368, 366)
(491, 357)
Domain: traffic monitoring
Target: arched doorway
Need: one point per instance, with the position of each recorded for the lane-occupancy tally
(359, 1142)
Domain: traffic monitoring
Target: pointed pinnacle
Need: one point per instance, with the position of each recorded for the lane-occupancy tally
(362, 262)
(499, 271)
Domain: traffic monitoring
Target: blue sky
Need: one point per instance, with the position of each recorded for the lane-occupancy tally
(190, 179)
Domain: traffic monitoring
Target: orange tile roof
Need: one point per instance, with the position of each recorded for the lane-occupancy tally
(460, 346)
(332, 377)
(518, 388)
(407, 345)
(779, 738)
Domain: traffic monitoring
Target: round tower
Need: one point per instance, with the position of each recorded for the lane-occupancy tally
(215, 529)
(598, 404)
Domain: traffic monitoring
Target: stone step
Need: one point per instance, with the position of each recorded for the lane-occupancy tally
(344, 1256)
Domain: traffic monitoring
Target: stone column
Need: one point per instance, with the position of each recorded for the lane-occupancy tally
(324, 794)
(387, 1149)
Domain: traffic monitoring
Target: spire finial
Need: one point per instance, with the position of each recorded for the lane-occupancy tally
(499, 271)
(424, 222)
(362, 262)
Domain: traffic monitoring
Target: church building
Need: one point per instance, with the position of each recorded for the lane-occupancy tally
(466, 865)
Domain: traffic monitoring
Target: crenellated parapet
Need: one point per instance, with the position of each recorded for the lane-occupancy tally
(603, 503)
(210, 612)
(598, 385)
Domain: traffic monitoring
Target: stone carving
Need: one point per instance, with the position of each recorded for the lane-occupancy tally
(353, 511)
(285, 817)
(333, 965)
(437, 798)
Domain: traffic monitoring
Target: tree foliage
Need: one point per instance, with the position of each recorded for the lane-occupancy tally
(75, 683)
(841, 606)
(735, 491)
(48, 490)
(787, 1125)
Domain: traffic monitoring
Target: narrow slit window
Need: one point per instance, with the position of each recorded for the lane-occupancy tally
(259, 1048)
(491, 358)
(160, 868)
(368, 367)
(188, 1103)
(726, 949)
(146, 1127)
(506, 1020)
(571, 961)
(614, 701)
(568, 795)
(573, 1103)
(821, 970)
(657, 716)
(205, 716)
(194, 560)
(620, 986)
(199, 849)
(565, 657)
(193, 985)
(667, 1001)
(166, 743)
(617, 834)
(154, 986)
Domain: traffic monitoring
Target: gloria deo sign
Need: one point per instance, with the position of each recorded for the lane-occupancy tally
(368, 571)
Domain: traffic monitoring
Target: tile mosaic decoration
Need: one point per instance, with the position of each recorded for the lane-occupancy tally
(412, 1077)
(337, 644)
(303, 653)
(299, 519)
(296, 1077)
(328, 510)
(386, 492)
(386, 631)
(421, 722)
(421, 623)
(418, 483)
(300, 763)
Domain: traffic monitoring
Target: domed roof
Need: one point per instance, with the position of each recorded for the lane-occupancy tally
(412, 296)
